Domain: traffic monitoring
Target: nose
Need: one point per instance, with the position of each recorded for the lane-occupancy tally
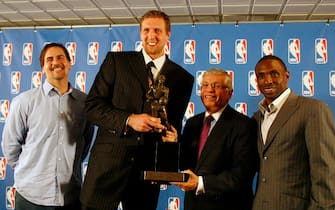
(268, 79)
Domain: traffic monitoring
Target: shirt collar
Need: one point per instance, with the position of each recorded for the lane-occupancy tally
(158, 61)
(47, 88)
(217, 114)
(276, 104)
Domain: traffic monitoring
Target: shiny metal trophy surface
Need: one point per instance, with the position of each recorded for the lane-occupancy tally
(166, 154)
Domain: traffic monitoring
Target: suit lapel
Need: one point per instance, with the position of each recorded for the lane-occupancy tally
(285, 113)
(138, 67)
(213, 136)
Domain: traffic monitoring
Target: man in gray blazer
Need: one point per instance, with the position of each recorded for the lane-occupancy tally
(117, 104)
(296, 145)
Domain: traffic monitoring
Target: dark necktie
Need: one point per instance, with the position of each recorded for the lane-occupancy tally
(204, 133)
(149, 72)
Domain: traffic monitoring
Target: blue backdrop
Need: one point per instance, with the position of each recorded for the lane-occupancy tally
(306, 48)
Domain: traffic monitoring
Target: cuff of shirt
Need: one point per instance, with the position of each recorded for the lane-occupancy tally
(200, 188)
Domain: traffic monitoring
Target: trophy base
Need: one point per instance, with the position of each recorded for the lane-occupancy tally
(161, 176)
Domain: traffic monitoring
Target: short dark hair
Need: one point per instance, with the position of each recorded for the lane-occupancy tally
(157, 14)
(49, 45)
(272, 57)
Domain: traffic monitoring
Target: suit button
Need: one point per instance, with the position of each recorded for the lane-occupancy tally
(138, 138)
(265, 158)
(263, 179)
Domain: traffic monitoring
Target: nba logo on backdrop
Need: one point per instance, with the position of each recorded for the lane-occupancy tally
(332, 83)
(4, 110)
(3, 167)
(138, 46)
(173, 203)
(116, 46)
(27, 54)
(15, 82)
(7, 54)
(36, 79)
(241, 107)
(252, 84)
(10, 197)
(308, 83)
(72, 50)
(241, 51)
(215, 51)
(93, 53)
(189, 112)
(267, 47)
(321, 54)
(167, 48)
(294, 55)
(231, 74)
(189, 51)
(198, 81)
(81, 81)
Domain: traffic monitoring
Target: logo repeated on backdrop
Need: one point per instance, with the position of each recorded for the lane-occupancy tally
(252, 84)
(241, 55)
(7, 54)
(15, 82)
(294, 55)
(116, 46)
(321, 51)
(81, 81)
(241, 107)
(189, 51)
(4, 110)
(231, 74)
(198, 81)
(72, 50)
(267, 47)
(10, 197)
(308, 83)
(173, 203)
(93, 53)
(3, 167)
(36, 79)
(189, 112)
(27, 54)
(332, 83)
(138, 46)
(167, 48)
(215, 51)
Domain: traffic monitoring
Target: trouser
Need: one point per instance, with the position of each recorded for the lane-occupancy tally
(23, 204)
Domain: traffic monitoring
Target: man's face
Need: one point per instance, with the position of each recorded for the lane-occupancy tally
(154, 36)
(56, 66)
(272, 78)
(214, 93)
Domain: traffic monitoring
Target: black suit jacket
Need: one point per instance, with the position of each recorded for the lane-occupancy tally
(119, 90)
(227, 162)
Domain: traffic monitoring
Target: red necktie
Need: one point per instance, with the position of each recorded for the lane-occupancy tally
(204, 133)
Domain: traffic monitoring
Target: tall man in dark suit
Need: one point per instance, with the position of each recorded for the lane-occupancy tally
(220, 176)
(296, 145)
(117, 104)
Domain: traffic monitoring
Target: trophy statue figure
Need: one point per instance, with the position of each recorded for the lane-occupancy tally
(157, 96)
(166, 154)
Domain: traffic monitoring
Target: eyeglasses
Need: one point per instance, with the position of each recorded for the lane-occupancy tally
(214, 85)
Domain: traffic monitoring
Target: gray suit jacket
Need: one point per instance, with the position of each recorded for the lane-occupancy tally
(297, 162)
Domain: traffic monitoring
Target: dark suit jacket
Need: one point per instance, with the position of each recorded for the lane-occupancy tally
(297, 162)
(119, 90)
(227, 162)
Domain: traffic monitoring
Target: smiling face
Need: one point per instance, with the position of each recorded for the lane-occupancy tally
(216, 91)
(154, 36)
(56, 65)
(272, 78)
